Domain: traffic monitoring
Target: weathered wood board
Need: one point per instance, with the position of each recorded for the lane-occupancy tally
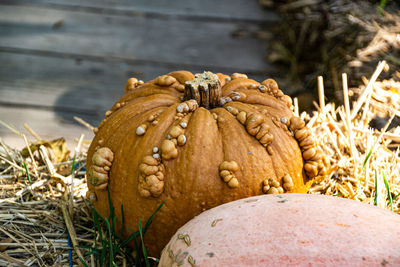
(81, 87)
(180, 43)
(234, 10)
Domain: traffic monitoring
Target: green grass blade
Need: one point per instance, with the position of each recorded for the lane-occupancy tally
(137, 249)
(73, 165)
(103, 255)
(113, 225)
(97, 227)
(396, 196)
(376, 189)
(111, 207)
(83, 262)
(27, 173)
(110, 240)
(122, 224)
(151, 218)
(137, 258)
(131, 237)
(146, 260)
(103, 252)
(388, 190)
(382, 6)
(110, 243)
(96, 224)
(366, 159)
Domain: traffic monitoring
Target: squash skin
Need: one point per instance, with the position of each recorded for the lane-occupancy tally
(288, 230)
(191, 181)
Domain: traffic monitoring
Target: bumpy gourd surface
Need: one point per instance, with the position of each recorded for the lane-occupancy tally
(170, 150)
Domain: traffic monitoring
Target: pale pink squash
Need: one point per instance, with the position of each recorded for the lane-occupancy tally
(288, 230)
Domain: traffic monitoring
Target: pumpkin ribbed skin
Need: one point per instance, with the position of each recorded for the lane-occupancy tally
(191, 181)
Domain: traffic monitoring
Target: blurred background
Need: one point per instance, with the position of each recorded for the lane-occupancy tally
(66, 58)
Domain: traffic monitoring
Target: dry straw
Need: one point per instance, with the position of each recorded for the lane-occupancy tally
(38, 200)
(365, 161)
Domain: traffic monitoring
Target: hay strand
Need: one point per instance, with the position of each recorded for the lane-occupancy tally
(348, 118)
(368, 89)
(321, 94)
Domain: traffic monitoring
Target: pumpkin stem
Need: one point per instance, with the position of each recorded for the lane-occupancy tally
(205, 89)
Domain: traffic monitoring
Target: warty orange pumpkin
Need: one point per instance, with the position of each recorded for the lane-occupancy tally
(194, 142)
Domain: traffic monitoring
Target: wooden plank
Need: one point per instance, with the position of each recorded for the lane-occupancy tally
(239, 10)
(45, 123)
(81, 87)
(76, 87)
(152, 40)
(39, 80)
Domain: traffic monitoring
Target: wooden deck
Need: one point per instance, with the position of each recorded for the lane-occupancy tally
(65, 58)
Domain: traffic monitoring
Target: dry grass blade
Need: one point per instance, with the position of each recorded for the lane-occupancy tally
(31, 155)
(32, 132)
(16, 240)
(11, 128)
(71, 231)
(296, 106)
(391, 136)
(368, 89)
(353, 150)
(13, 164)
(356, 179)
(84, 123)
(321, 94)
(11, 259)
